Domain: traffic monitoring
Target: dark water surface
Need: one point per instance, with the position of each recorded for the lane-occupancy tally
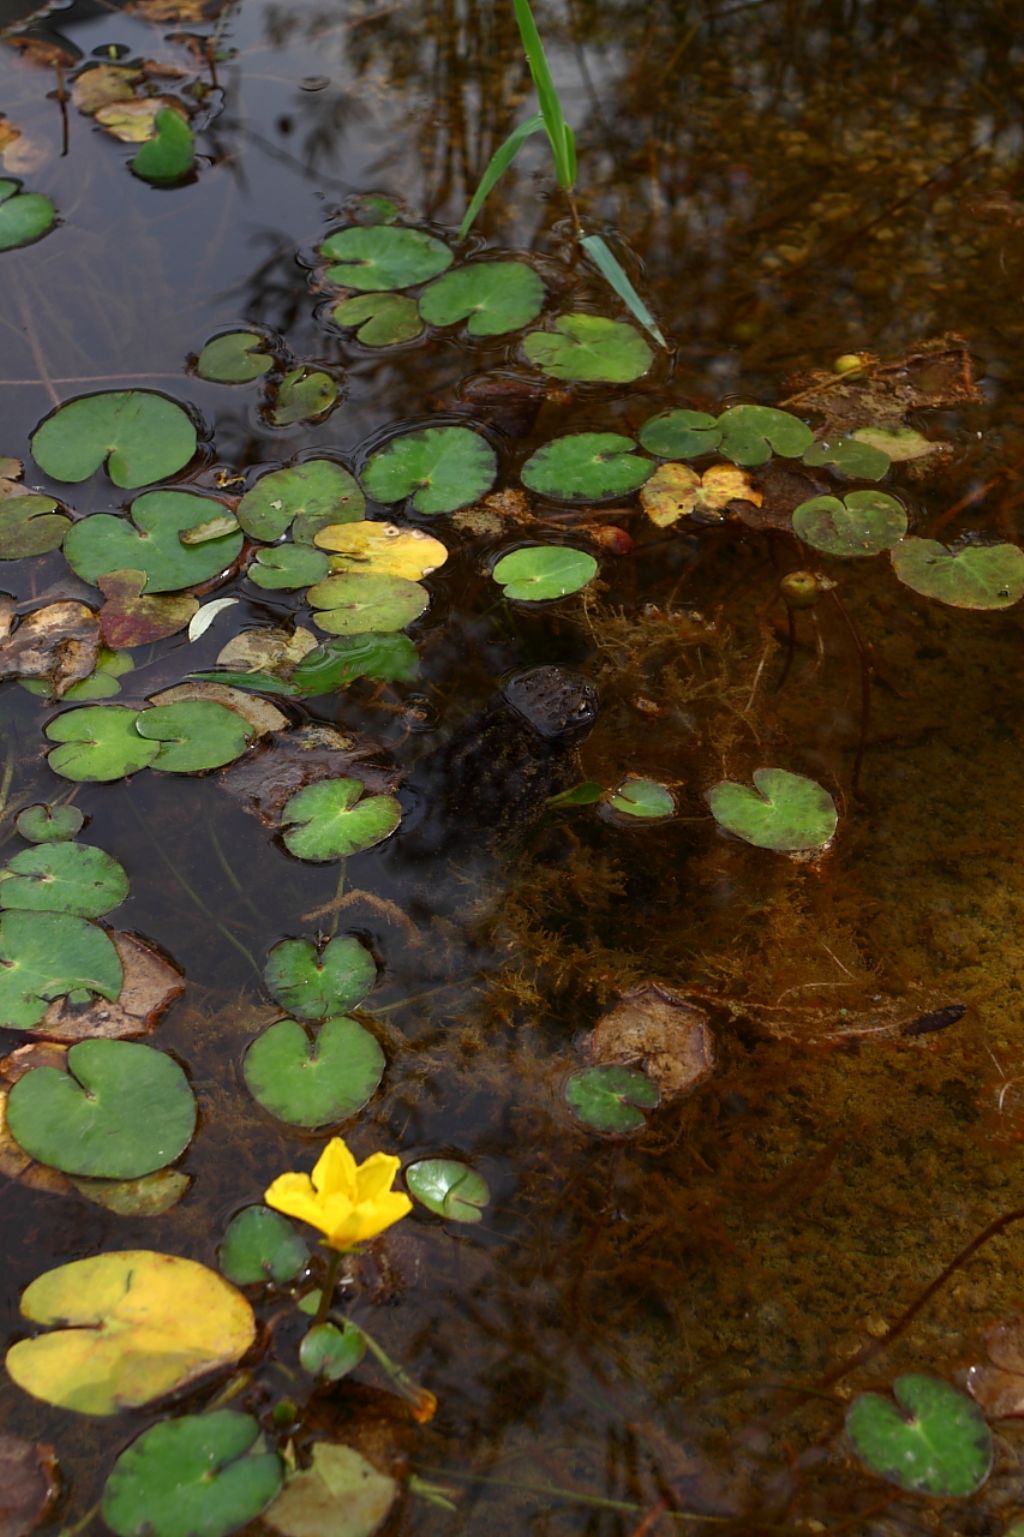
(631, 1328)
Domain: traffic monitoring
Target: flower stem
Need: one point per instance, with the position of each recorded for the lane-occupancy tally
(421, 1399)
(327, 1293)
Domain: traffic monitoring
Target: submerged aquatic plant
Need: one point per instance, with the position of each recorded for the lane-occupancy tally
(348, 1202)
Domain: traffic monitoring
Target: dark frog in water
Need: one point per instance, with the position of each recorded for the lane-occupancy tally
(491, 782)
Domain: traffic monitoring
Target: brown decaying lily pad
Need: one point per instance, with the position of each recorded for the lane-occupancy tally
(151, 984)
(128, 619)
(661, 1030)
(59, 642)
(935, 375)
(28, 1485)
(15, 1163)
(265, 780)
(998, 1385)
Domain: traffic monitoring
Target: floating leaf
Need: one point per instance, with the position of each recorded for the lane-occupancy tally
(355, 601)
(141, 436)
(133, 120)
(195, 736)
(784, 811)
(331, 1353)
(850, 456)
(128, 619)
(317, 490)
(48, 955)
(259, 1246)
(100, 743)
(312, 983)
(541, 572)
(203, 618)
(611, 1099)
(936, 1442)
(286, 567)
(30, 526)
(751, 434)
(150, 984)
(170, 155)
(102, 682)
(382, 549)
(645, 799)
(900, 444)
(63, 878)
(440, 468)
(314, 1081)
(383, 256)
(303, 395)
(391, 658)
(383, 320)
(675, 491)
(150, 1196)
(203, 1475)
(49, 824)
(589, 347)
(99, 84)
(236, 357)
(976, 576)
(99, 545)
(680, 434)
(448, 1188)
(59, 642)
(333, 818)
(24, 216)
(493, 297)
(863, 523)
(594, 465)
(339, 1495)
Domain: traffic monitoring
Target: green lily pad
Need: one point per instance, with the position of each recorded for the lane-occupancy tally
(594, 465)
(339, 1495)
(302, 395)
(589, 347)
(383, 256)
(99, 743)
(236, 357)
(317, 491)
(331, 1353)
(937, 1442)
(353, 602)
(863, 523)
(611, 1099)
(49, 824)
(203, 1475)
(540, 572)
(448, 1188)
(102, 682)
(978, 576)
(259, 1246)
(493, 297)
(645, 799)
(151, 542)
(312, 983)
(751, 434)
(392, 658)
(170, 155)
(286, 567)
(121, 1110)
(784, 811)
(850, 456)
(441, 468)
(24, 216)
(333, 818)
(63, 878)
(383, 320)
(48, 955)
(313, 1081)
(29, 525)
(194, 736)
(139, 435)
(680, 434)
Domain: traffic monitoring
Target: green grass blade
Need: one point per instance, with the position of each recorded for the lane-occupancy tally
(557, 129)
(499, 162)
(609, 268)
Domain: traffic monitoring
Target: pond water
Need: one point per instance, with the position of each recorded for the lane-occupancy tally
(633, 1333)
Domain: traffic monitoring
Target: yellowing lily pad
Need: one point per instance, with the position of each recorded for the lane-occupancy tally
(382, 549)
(981, 576)
(133, 1326)
(676, 491)
(134, 121)
(339, 1495)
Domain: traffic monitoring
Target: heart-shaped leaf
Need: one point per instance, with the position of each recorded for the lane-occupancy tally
(784, 811)
(676, 491)
(680, 434)
(977, 576)
(850, 456)
(170, 155)
(48, 955)
(49, 824)
(313, 1081)
(333, 818)
(440, 468)
(589, 347)
(383, 256)
(318, 491)
(644, 799)
(339, 1495)
(611, 1099)
(331, 1353)
(303, 395)
(493, 297)
(751, 434)
(541, 572)
(354, 601)
(128, 619)
(24, 216)
(139, 435)
(863, 523)
(132, 1327)
(594, 465)
(63, 878)
(29, 525)
(236, 357)
(195, 736)
(382, 549)
(259, 1246)
(100, 743)
(383, 320)
(336, 663)
(203, 1475)
(101, 544)
(312, 983)
(286, 567)
(937, 1442)
(448, 1188)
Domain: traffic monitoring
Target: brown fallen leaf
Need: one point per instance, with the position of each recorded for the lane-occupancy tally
(661, 1030)
(15, 1163)
(508, 401)
(151, 984)
(935, 375)
(676, 491)
(44, 52)
(268, 649)
(175, 11)
(998, 1384)
(59, 642)
(133, 122)
(264, 780)
(128, 619)
(97, 85)
(495, 514)
(29, 1485)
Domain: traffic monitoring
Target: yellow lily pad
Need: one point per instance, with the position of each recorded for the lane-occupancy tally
(133, 122)
(676, 491)
(382, 549)
(133, 1327)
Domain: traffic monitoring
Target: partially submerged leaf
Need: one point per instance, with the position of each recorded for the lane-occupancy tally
(854, 456)
(97, 85)
(315, 1080)
(540, 573)
(936, 1442)
(150, 1196)
(589, 347)
(595, 465)
(440, 468)
(303, 395)
(59, 643)
(235, 357)
(133, 121)
(150, 985)
(383, 256)
(611, 1099)
(642, 799)
(448, 1188)
(391, 658)
(24, 216)
(976, 576)
(30, 1484)
(260, 1246)
(339, 1495)
(786, 812)
(998, 1383)
(862, 523)
(663, 1032)
(140, 436)
(312, 982)
(382, 549)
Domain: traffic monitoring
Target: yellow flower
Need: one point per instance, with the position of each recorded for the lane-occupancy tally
(347, 1202)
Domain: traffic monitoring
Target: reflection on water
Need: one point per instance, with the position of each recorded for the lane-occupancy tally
(637, 1322)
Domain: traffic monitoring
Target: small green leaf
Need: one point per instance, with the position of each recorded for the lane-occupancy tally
(49, 824)
(30, 526)
(302, 395)
(786, 812)
(611, 1099)
(99, 743)
(24, 216)
(850, 456)
(313, 1080)
(936, 1442)
(141, 436)
(542, 572)
(353, 602)
(440, 468)
(863, 523)
(645, 799)
(591, 465)
(383, 256)
(751, 434)
(611, 270)
(318, 491)
(236, 357)
(448, 1188)
(286, 567)
(44, 956)
(331, 1353)
(312, 983)
(260, 1246)
(680, 434)
(333, 818)
(170, 155)
(383, 320)
(589, 347)
(586, 794)
(63, 877)
(492, 297)
(979, 576)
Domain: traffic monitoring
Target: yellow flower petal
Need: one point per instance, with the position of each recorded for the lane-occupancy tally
(377, 1175)
(336, 1170)
(294, 1195)
(349, 1203)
